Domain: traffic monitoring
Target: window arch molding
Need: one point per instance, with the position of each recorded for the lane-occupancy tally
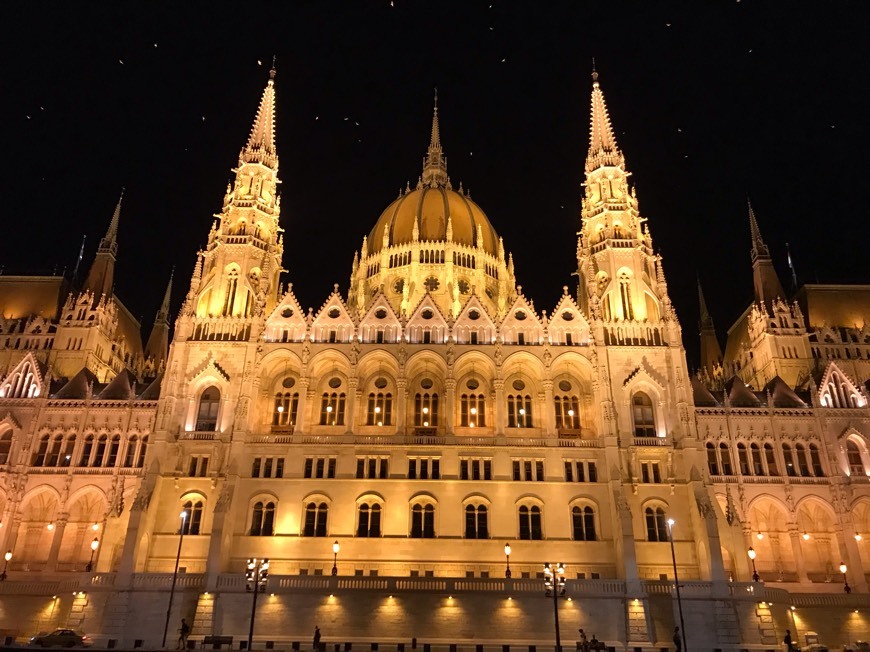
(208, 383)
(655, 514)
(529, 512)
(6, 438)
(262, 514)
(315, 515)
(193, 503)
(645, 411)
(423, 516)
(853, 447)
(584, 515)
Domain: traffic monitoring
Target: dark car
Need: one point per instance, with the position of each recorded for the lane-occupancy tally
(63, 638)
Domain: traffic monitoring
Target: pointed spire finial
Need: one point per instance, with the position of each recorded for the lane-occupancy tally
(273, 71)
(109, 241)
(435, 163)
(759, 248)
(603, 150)
(260, 147)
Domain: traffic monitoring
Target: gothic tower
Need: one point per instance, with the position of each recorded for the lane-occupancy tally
(101, 277)
(711, 351)
(767, 285)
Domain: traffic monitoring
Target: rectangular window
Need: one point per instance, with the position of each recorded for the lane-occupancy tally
(569, 472)
(412, 469)
(517, 470)
(569, 339)
(528, 470)
(651, 473)
(360, 468)
(474, 337)
(424, 468)
(463, 469)
(521, 338)
(198, 467)
(475, 469)
(539, 470)
(279, 467)
(487, 469)
(319, 467)
(255, 467)
(267, 467)
(372, 467)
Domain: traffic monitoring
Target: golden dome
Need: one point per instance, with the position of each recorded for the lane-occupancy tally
(430, 208)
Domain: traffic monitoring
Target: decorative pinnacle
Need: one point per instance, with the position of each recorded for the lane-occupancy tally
(705, 317)
(109, 241)
(435, 163)
(273, 71)
(759, 249)
(261, 142)
(603, 150)
(594, 73)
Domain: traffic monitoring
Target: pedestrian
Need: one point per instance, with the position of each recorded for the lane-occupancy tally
(183, 633)
(316, 638)
(789, 646)
(593, 643)
(678, 641)
(584, 643)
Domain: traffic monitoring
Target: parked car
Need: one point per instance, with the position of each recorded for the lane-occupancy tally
(63, 638)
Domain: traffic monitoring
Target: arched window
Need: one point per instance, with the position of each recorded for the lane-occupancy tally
(53, 455)
(583, 523)
(423, 521)
(130, 454)
(315, 520)
(5, 446)
(232, 288)
(743, 459)
(42, 451)
(519, 411)
(100, 453)
(114, 449)
(380, 409)
(476, 522)
(712, 461)
(725, 458)
(625, 296)
(286, 406)
(263, 519)
(567, 412)
(143, 448)
(87, 448)
(803, 462)
(643, 415)
(656, 526)
(757, 465)
(209, 406)
(816, 461)
(770, 460)
(332, 409)
(856, 461)
(193, 518)
(530, 523)
(472, 412)
(426, 410)
(369, 520)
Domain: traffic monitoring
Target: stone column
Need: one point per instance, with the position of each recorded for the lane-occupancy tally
(306, 399)
(500, 411)
(353, 395)
(798, 553)
(852, 557)
(56, 540)
(549, 409)
(9, 532)
(401, 404)
(450, 387)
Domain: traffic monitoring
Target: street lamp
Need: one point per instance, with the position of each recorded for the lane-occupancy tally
(554, 583)
(751, 552)
(507, 556)
(258, 572)
(94, 545)
(7, 557)
(677, 582)
(335, 549)
(846, 587)
(183, 517)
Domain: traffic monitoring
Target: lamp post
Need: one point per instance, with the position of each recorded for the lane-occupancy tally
(258, 572)
(677, 582)
(554, 583)
(507, 556)
(794, 624)
(335, 549)
(843, 569)
(183, 517)
(7, 557)
(94, 545)
(751, 552)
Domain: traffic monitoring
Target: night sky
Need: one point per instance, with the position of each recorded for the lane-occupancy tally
(710, 101)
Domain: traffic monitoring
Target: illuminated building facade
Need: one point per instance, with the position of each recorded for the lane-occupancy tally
(422, 421)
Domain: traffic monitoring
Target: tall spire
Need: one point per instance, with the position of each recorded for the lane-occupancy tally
(101, 276)
(435, 163)
(603, 150)
(711, 351)
(765, 279)
(158, 342)
(261, 143)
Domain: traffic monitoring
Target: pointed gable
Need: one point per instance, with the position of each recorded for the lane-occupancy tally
(474, 325)
(783, 396)
(567, 325)
(701, 396)
(79, 386)
(521, 324)
(287, 322)
(333, 322)
(838, 390)
(120, 389)
(427, 324)
(739, 395)
(380, 323)
(26, 380)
